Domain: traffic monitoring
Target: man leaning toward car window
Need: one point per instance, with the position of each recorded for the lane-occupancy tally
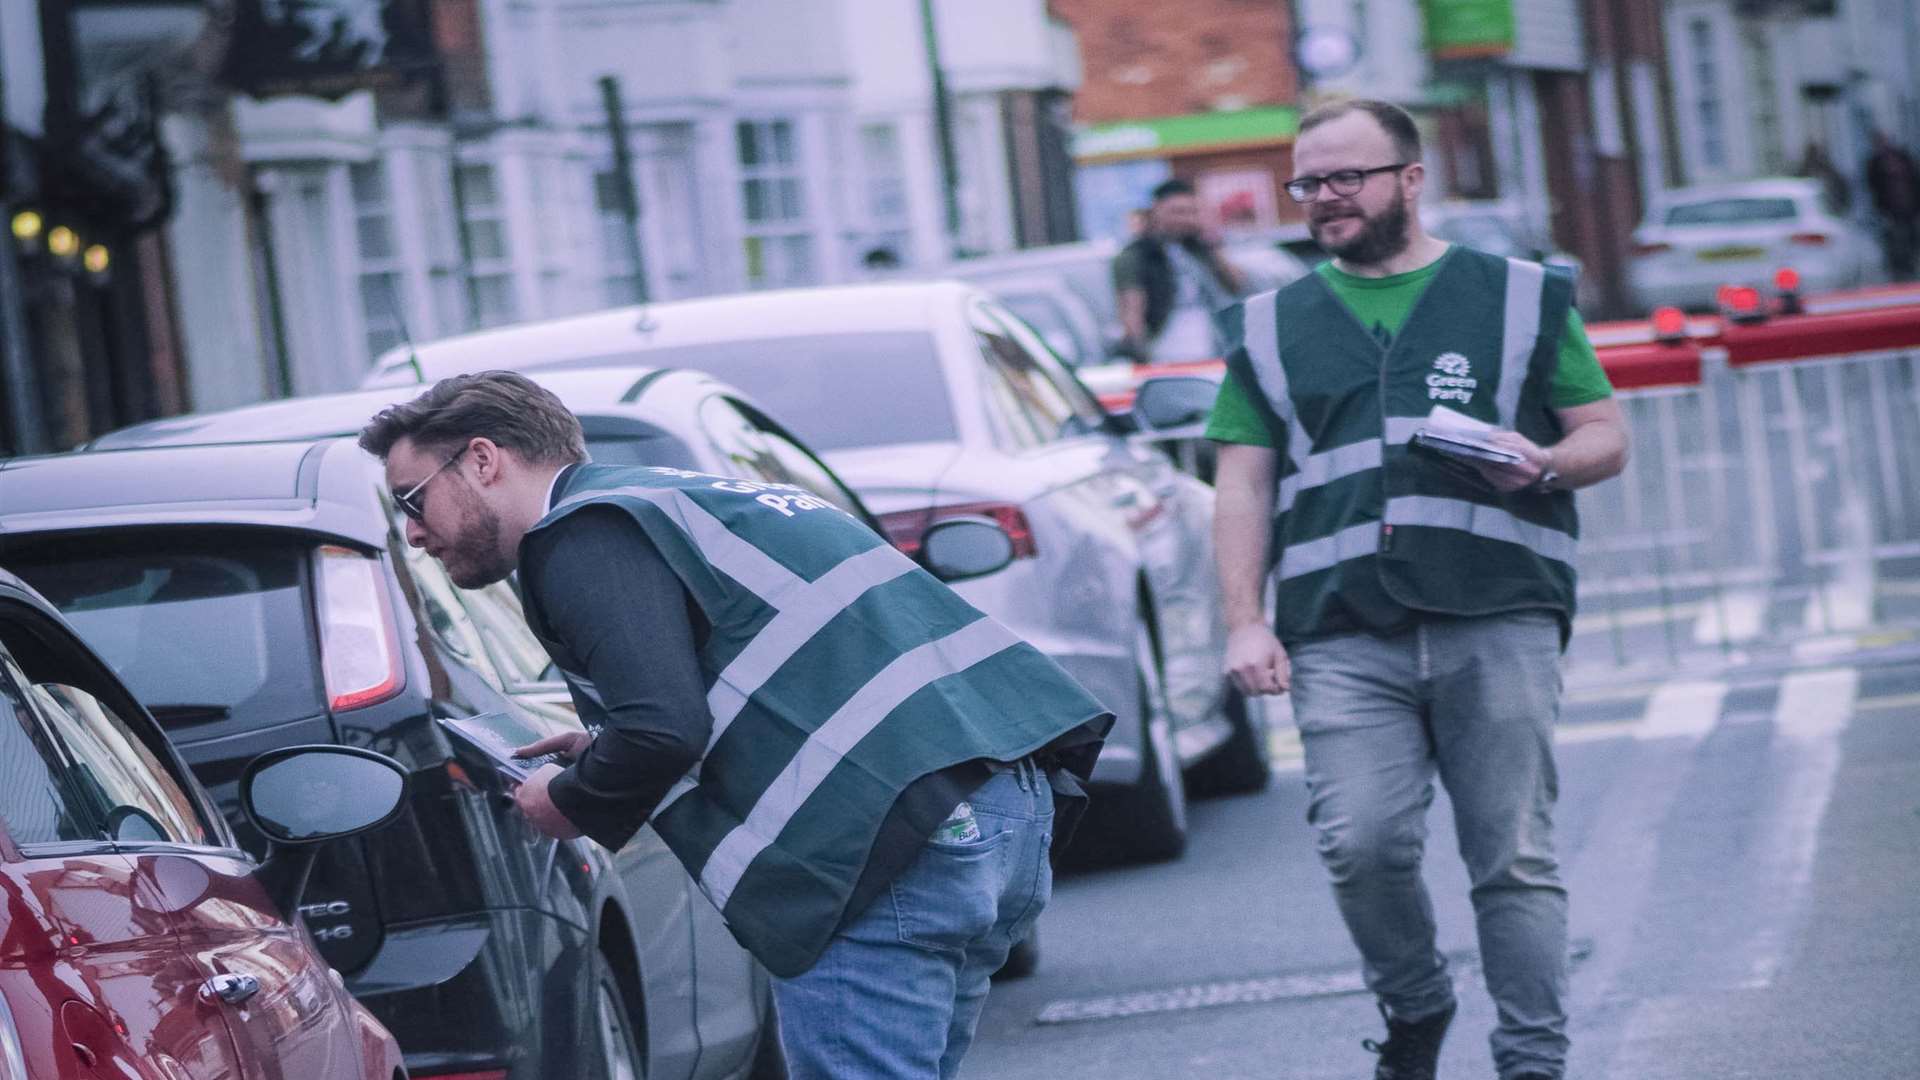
(858, 768)
(1421, 604)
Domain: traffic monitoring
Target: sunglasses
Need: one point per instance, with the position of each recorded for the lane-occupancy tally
(1344, 182)
(410, 503)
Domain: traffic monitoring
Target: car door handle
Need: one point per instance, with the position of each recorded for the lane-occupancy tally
(231, 989)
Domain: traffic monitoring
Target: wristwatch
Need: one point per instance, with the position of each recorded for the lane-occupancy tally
(1549, 476)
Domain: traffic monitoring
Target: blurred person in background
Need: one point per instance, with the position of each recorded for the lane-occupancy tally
(1171, 280)
(1422, 604)
(1816, 165)
(1893, 181)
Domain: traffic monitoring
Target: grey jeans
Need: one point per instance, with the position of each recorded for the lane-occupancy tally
(1474, 702)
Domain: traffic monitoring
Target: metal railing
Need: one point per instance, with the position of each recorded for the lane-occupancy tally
(1768, 504)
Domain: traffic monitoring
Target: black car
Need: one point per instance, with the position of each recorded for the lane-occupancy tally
(246, 574)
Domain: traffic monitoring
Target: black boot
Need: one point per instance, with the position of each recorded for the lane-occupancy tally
(1412, 1049)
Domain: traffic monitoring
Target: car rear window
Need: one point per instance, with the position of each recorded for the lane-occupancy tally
(1733, 212)
(832, 390)
(210, 632)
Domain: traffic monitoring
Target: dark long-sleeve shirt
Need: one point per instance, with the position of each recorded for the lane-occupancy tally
(596, 582)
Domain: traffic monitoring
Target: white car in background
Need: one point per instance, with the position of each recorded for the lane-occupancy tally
(1696, 239)
(933, 401)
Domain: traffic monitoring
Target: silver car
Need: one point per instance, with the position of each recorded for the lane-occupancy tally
(933, 401)
(1696, 239)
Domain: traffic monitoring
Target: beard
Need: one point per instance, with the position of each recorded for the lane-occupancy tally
(1378, 239)
(475, 559)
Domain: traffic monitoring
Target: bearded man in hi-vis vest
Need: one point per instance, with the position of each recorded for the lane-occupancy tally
(858, 768)
(1421, 600)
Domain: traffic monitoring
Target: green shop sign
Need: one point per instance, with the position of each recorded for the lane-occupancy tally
(1464, 29)
(1167, 135)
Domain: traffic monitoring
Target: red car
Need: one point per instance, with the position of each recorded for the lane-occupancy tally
(136, 938)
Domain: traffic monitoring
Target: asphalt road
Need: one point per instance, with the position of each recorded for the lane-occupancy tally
(1741, 854)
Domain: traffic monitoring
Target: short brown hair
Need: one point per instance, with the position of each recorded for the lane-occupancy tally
(509, 408)
(1394, 120)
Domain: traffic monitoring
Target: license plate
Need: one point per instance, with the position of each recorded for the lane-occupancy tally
(1730, 254)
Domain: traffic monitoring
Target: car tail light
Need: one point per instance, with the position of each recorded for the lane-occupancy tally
(1641, 251)
(1669, 324)
(903, 528)
(359, 647)
(1810, 239)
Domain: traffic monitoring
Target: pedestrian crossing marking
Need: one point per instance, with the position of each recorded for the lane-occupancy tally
(1738, 616)
(1815, 704)
(1687, 709)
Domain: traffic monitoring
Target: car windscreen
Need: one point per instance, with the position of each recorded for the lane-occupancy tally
(1732, 212)
(832, 390)
(205, 629)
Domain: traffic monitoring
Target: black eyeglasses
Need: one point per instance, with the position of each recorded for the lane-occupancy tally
(410, 504)
(1344, 182)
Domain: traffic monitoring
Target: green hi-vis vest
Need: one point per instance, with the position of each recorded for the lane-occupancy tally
(1355, 498)
(837, 671)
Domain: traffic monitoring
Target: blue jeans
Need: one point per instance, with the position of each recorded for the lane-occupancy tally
(897, 994)
(1473, 701)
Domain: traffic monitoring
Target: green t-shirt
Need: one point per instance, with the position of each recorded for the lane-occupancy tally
(1382, 305)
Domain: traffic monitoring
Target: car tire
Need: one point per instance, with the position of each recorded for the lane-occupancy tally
(613, 1024)
(1242, 764)
(1148, 821)
(769, 1057)
(1023, 958)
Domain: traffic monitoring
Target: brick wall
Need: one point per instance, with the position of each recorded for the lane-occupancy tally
(1146, 58)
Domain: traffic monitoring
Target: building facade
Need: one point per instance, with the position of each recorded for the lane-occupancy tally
(770, 143)
(88, 338)
(1757, 82)
(1203, 90)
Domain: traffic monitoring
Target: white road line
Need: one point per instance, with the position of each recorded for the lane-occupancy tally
(1842, 604)
(1812, 713)
(1682, 710)
(1737, 616)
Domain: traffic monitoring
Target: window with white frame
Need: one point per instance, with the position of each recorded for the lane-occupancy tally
(620, 274)
(433, 180)
(1709, 110)
(553, 235)
(885, 241)
(778, 240)
(380, 269)
(490, 265)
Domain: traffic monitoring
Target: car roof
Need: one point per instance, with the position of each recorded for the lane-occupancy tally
(317, 487)
(1768, 187)
(334, 415)
(781, 313)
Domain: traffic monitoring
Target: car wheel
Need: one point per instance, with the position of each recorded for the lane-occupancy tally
(1149, 820)
(1023, 958)
(613, 1025)
(1244, 762)
(769, 1057)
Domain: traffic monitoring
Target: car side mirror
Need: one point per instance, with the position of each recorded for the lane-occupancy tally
(959, 548)
(299, 797)
(1166, 403)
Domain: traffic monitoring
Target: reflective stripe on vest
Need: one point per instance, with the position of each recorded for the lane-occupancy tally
(899, 680)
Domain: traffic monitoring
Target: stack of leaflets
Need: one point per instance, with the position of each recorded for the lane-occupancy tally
(493, 737)
(1457, 435)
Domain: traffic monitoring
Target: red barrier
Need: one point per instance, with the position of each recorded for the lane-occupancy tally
(1858, 321)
